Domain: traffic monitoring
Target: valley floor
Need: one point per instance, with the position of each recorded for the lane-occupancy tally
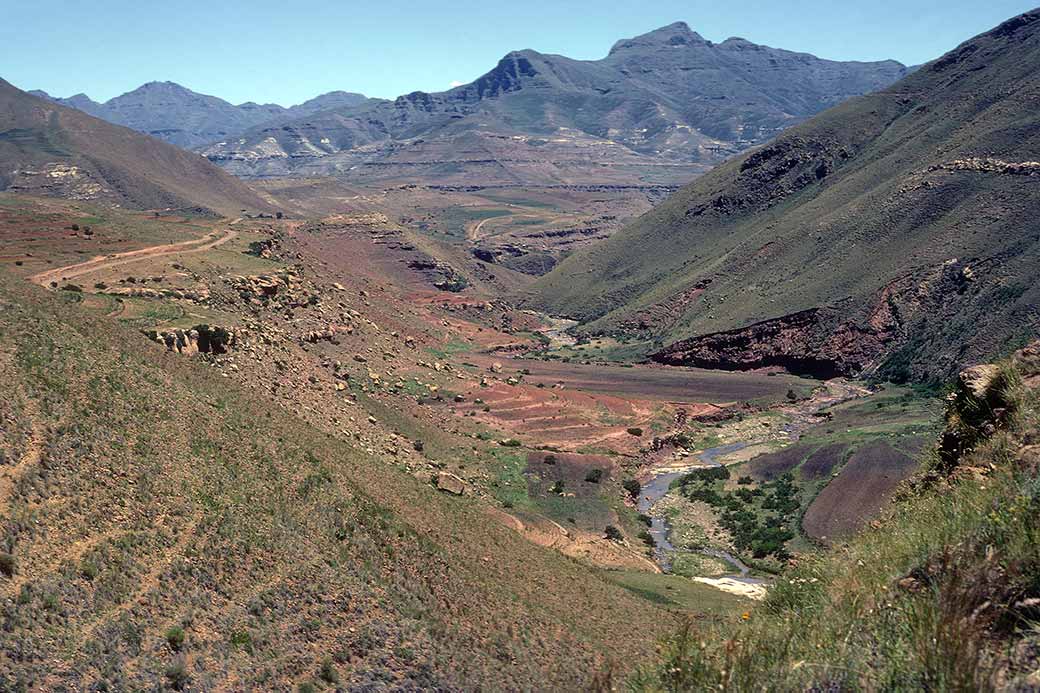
(472, 427)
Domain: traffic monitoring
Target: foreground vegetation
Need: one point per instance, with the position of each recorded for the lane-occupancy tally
(940, 594)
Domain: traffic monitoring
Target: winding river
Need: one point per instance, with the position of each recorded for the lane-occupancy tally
(658, 486)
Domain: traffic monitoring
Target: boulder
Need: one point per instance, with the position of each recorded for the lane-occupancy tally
(449, 483)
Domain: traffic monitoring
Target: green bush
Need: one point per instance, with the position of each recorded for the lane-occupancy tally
(175, 638)
(594, 476)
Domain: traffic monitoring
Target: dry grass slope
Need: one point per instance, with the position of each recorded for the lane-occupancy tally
(159, 527)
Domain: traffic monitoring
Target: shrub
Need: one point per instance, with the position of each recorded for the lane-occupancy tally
(242, 639)
(633, 487)
(175, 638)
(89, 570)
(634, 431)
(549, 459)
(328, 671)
(594, 476)
(7, 564)
(613, 533)
(557, 487)
(177, 674)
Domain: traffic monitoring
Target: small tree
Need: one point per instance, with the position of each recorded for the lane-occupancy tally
(594, 476)
(613, 533)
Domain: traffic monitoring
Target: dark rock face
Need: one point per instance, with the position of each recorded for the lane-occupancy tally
(847, 339)
(669, 94)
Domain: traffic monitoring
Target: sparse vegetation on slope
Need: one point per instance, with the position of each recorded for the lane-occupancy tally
(160, 525)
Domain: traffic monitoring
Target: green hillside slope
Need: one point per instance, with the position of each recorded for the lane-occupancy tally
(49, 149)
(896, 232)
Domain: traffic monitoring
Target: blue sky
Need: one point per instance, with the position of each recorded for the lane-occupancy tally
(287, 51)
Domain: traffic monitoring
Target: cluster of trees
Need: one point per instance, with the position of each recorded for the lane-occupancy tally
(754, 531)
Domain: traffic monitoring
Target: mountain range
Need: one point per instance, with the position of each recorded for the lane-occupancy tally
(669, 95)
(187, 119)
(659, 108)
(49, 149)
(894, 234)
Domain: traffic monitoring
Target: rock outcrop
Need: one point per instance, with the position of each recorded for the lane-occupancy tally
(201, 339)
(984, 401)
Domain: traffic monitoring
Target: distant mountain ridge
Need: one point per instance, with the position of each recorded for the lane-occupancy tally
(668, 95)
(180, 116)
(53, 150)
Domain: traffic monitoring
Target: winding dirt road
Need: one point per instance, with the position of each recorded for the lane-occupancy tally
(209, 241)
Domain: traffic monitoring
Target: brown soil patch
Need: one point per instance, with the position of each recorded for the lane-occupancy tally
(858, 493)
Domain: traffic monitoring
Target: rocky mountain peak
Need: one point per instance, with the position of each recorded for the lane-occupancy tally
(676, 35)
(515, 68)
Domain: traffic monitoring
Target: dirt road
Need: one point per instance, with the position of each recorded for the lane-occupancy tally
(197, 245)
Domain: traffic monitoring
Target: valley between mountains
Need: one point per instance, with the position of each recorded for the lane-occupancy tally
(700, 366)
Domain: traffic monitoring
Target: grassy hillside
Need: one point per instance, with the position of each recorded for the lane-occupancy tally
(895, 233)
(49, 149)
(941, 594)
(160, 527)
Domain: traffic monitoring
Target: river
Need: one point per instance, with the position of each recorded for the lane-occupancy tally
(659, 484)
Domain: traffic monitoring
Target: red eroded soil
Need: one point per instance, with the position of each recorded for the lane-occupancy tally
(565, 418)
